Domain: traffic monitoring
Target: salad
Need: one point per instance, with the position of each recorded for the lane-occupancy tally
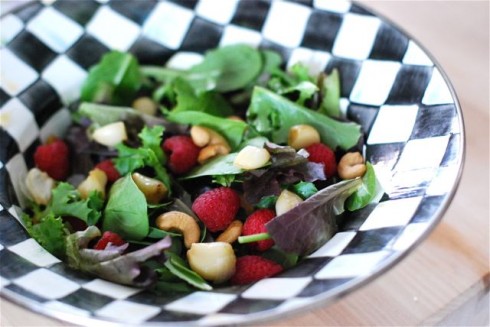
(224, 173)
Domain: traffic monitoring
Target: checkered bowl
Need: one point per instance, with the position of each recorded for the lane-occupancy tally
(390, 85)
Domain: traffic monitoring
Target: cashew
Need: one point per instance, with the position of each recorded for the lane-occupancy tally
(181, 222)
(95, 181)
(110, 134)
(351, 165)
(231, 233)
(214, 261)
(286, 201)
(153, 189)
(252, 157)
(145, 105)
(302, 136)
(211, 151)
(39, 185)
(202, 136)
(235, 117)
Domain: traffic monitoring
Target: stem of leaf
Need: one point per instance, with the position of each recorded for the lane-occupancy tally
(253, 238)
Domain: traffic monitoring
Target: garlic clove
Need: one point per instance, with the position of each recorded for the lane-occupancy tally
(252, 157)
(111, 134)
(215, 262)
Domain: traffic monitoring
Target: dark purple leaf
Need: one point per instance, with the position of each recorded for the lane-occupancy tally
(309, 225)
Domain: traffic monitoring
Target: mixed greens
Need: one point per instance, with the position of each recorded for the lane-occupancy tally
(252, 126)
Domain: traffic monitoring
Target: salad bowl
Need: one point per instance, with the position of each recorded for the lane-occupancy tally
(410, 118)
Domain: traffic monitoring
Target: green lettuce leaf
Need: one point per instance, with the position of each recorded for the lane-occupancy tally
(369, 192)
(273, 115)
(115, 79)
(49, 232)
(126, 210)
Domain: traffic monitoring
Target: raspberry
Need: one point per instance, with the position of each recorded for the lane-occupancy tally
(320, 153)
(183, 153)
(217, 208)
(251, 268)
(108, 239)
(255, 224)
(53, 158)
(107, 166)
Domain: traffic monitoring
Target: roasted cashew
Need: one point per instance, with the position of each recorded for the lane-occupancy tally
(202, 136)
(231, 233)
(211, 151)
(181, 222)
(351, 165)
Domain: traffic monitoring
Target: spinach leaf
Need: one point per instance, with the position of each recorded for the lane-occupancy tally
(286, 260)
(273, 115)
(232, 130)
(305, 189)
(238, 66)
(115, 79)
(126, 210)
(369, 192)
(179, 268)
(210, 102)
(267, 202)
(219, 166)
(330, 104)
(310, 224)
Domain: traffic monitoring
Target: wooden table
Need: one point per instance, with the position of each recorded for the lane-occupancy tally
(446, 280)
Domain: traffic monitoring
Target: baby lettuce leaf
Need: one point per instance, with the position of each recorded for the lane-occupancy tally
(304, 189)
(101, 115)
(49, 232)
(273, 115)
(114, 80)
(222, 165)
(370, 191)
(238, 66)
(310, 224)
(126, 210)
(152, 139)
(111, 264)
(66, 201)
(210, 102)
(330, 104)
(179, 268)
(149, 154)
(232, 130)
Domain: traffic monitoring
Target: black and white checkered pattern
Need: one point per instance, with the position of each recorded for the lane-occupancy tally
(412, 123)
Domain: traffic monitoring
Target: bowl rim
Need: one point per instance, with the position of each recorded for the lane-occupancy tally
(322, 299)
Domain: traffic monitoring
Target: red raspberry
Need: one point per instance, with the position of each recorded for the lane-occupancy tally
(217, 208)
(107, 166)
(251, 268)
(109, 238)
(255, 224)
(320, 153)
(183, 153)
(53, 158)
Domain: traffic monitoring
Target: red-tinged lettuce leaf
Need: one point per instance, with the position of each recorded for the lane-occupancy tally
(112, 264)
(287, 167)
(309, 225)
